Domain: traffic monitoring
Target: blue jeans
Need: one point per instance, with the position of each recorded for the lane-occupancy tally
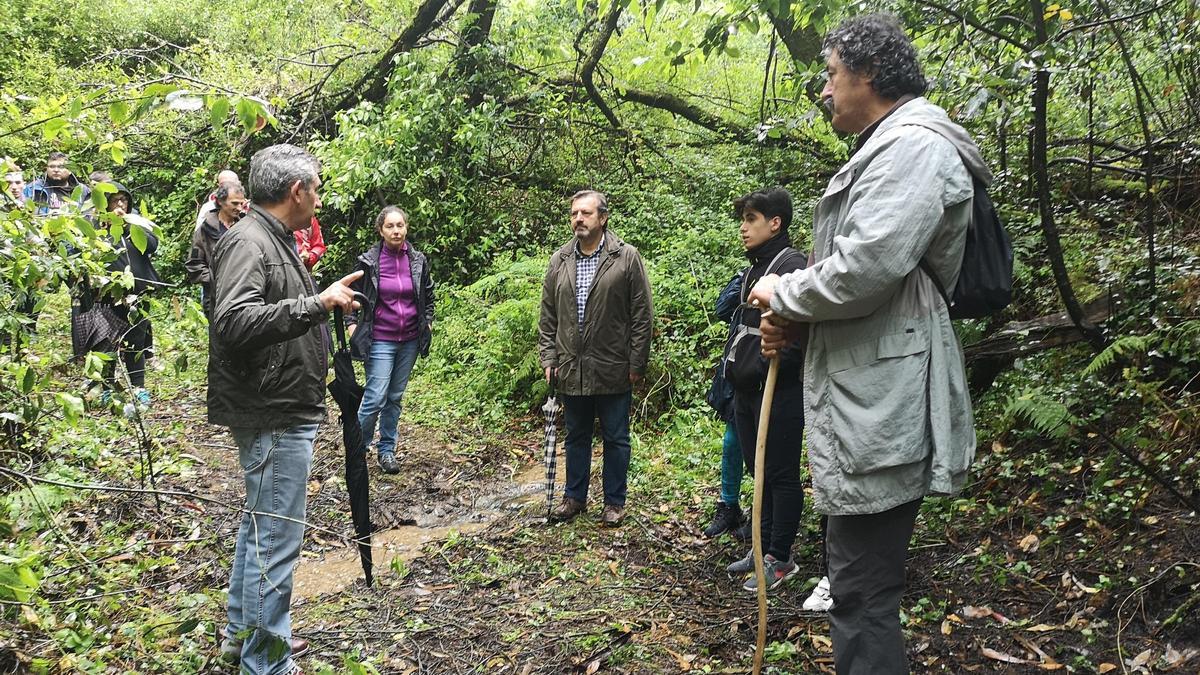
(732, 466)
(275, 465)
(579, 413)
(388, 366)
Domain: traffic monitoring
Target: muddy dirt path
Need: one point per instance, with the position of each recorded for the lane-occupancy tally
(445, 486)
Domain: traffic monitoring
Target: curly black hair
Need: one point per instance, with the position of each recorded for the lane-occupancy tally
(875, 45)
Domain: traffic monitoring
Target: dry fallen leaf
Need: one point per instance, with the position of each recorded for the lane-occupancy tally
(685, 662)
(947, 627)
(593, 667)
(1105, 668)
(971, 612)
(1140, 660)
(1029, 543)
(1042, 628)
(1001, 656)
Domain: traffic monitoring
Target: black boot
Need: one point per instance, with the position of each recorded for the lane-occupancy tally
(743, 533)
(726, 518)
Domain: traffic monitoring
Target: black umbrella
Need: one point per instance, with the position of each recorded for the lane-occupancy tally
(348, 394)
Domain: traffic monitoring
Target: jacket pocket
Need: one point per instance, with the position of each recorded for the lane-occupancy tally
(878, 411)
(273, 370)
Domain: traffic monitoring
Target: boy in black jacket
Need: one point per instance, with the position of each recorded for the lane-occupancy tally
(765, 216)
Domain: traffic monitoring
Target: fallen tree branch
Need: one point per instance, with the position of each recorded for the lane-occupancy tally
(1019, 338)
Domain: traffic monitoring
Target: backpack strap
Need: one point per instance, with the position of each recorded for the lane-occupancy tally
(924, 264)
(785, 254)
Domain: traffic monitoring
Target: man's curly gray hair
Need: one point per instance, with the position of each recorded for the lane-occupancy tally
(874, 45)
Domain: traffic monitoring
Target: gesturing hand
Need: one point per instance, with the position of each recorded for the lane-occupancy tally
(339, 293)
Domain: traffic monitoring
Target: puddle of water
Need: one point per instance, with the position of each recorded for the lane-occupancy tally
(341, 568)
(338, 569)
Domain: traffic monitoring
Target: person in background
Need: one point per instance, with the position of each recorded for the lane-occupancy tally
(26, 299)
(267, 364)
(310, 245)
(728, 514)
(53, 191)
(230, 200)
(765, 217)
(210, 204)
(119, 324)
(594, 334)
(394, 327)
(885, 382)
(14, 186)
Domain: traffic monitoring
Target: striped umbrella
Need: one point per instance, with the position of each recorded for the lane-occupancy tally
(550, 410)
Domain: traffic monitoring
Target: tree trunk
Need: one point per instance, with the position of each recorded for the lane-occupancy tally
(1041, 180)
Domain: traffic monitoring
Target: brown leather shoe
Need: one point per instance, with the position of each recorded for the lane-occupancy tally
(612, 515)
(567, 509)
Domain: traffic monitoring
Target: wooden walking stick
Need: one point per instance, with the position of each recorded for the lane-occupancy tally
(760, 451)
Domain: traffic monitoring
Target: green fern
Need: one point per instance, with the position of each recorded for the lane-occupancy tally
(1181, 338)
(1119, 347)
(1049, 417)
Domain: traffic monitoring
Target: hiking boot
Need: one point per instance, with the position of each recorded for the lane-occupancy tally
(744, 533)
(725, 518)
(776, 571)
(819, 600)
(567, 509)
(612, 515)
(387, 463)
(744, 565)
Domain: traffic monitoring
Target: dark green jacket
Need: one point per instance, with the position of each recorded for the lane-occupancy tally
(615, 337)
(269, 348)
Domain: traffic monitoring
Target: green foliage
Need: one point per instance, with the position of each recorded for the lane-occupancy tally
(484, 359)
(1049, 417)
(422, 150)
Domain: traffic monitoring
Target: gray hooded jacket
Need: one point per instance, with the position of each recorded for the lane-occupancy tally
(886, 396)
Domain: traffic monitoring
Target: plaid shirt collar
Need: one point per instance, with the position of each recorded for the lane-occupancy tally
(579, 252)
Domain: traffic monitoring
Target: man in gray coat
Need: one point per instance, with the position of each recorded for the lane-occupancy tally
(594, 333)
(886, 397)
(266, 382)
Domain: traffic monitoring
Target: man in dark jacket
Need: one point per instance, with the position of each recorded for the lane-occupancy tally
(266, 382)
(230, 199)
(765, 217)
(53, 191)
(594, 334)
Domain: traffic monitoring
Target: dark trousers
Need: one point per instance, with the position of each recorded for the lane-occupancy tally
(135, 345)
(866, 576)
(579, 414)
(783, 493)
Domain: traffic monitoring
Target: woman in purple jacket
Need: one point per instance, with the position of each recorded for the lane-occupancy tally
(391, 329)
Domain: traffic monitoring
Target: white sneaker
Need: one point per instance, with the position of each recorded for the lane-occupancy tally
(819, 600)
